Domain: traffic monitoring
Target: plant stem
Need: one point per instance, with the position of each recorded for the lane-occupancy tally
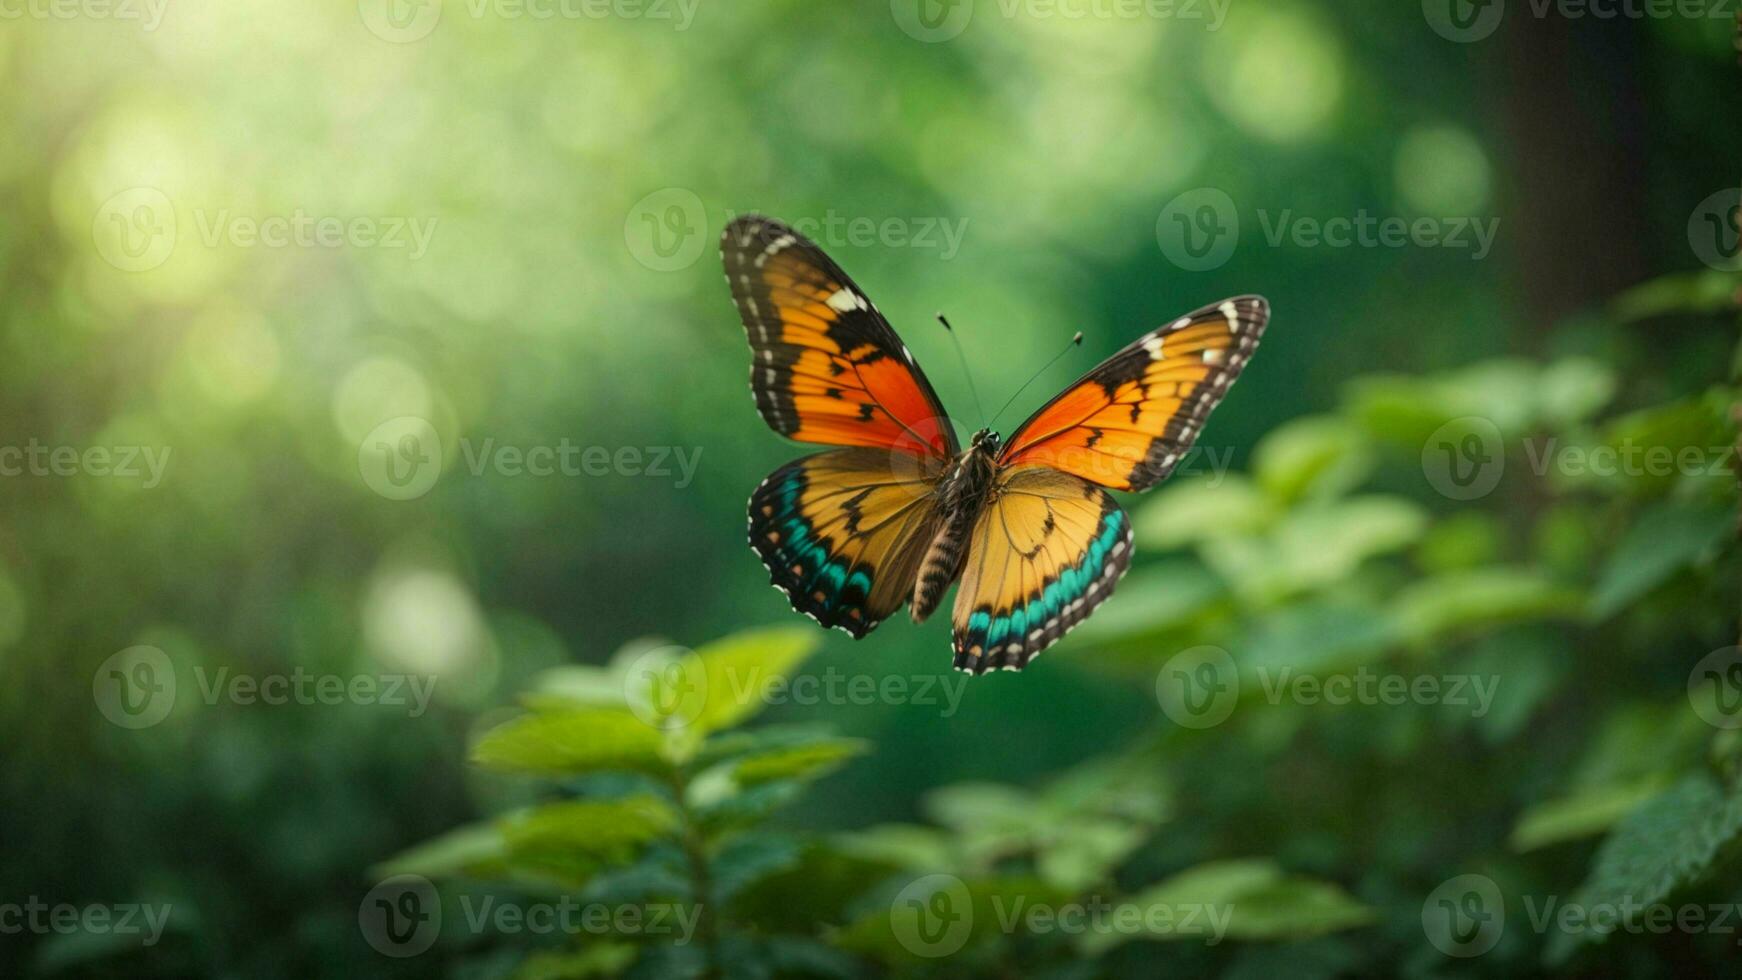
(701, 878)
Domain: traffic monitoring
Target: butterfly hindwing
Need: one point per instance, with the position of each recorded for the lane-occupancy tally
(843, 532)
(1046, 550)
(1128, 423)
(826, 366)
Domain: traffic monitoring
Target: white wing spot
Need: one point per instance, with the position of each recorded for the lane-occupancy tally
(1153, 346)
(845, 301)
(1233, 316)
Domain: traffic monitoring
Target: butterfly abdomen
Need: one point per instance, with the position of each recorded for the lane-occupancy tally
(943, 560)
(963, 495)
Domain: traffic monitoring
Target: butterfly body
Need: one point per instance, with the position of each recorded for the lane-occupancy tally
(962, 496)
(898, 510)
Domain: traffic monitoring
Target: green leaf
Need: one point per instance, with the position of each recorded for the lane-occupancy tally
(598, 958)
(1319, 635)
(1464, 540)
(1664, 845)
(1586, 813)
(1572, 389)
(986, 910)
(737, 669)
(573, 741)
(1088, 852)
(597, 828)
(1318, 456)
(800, 762)
(574, 840)
(1706, 291)
(1698, 425)
(1153, 599)
(749, 858)
(1316, 546)
(1248, 898)
(1479, 598)
(477, 850)
(1668, 538)
(911, 846)
(1193, 510)
(1296, 908)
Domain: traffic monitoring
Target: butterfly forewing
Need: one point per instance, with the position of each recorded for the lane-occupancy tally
(1129, 422)
(825, 366)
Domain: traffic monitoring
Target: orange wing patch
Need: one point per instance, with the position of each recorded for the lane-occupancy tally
(1130, 421)
(826, 367)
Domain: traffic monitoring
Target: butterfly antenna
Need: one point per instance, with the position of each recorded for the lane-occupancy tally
(1076, 341)
(963, 357)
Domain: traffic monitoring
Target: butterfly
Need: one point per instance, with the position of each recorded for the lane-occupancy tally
(899, 510)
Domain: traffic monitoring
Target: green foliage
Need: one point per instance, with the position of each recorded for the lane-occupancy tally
(674, 798)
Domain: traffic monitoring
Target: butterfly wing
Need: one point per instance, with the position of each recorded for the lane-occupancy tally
(1044, 553)
(1127, 423)
(826, 367)
(843, 532)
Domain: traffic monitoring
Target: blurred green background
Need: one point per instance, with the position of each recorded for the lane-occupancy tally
(250, 241)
